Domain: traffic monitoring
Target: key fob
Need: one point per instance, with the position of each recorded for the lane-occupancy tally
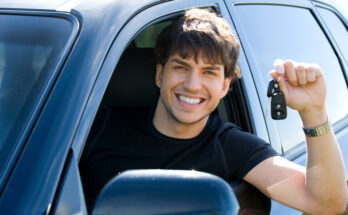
(278, 106)
(278, 102)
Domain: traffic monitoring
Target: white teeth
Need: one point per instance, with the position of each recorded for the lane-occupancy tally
(188, 100)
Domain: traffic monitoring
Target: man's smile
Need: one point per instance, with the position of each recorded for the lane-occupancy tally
(189, 100)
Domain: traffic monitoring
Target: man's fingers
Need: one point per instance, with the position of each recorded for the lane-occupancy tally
(290, 72)
(284, 88)
(313, 70)
(301, 75)
(311, 74)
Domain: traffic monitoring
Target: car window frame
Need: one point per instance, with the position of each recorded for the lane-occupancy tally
(343, 60)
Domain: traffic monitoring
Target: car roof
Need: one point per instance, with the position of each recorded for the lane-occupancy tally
(340, 5)
(33, 4)
(67, 5)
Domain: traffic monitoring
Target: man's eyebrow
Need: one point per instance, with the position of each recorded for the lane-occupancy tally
(179, 61)
(212, 67)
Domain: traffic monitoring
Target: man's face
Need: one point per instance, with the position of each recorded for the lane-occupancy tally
(190, 90)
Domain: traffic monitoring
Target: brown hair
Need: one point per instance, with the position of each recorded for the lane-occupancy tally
(200, 32)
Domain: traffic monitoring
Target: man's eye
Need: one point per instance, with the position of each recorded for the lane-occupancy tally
(180, 68)
(210, 73)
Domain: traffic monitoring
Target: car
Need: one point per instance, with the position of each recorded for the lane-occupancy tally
(62, 60)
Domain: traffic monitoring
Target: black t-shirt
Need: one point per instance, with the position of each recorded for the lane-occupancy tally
(125, 138)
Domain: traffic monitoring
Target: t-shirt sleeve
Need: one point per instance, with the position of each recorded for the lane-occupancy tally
(243, 151)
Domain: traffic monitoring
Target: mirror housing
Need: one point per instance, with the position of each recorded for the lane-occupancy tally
(145, 192)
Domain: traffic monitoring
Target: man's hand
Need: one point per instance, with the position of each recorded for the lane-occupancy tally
(304, 88)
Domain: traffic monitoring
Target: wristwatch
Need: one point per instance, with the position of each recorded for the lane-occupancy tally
(317, 131)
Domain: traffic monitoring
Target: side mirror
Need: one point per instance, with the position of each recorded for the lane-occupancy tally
(145, 192)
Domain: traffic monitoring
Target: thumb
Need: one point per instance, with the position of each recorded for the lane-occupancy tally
(275, 75)
(282, 83)
(278, 69)
(284, 88)
(278, 73)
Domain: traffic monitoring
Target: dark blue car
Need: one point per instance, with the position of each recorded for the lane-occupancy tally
(62, 60)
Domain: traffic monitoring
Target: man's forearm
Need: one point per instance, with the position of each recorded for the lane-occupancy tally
(325, 172)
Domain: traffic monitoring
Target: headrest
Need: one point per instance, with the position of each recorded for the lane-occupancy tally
(133, 80)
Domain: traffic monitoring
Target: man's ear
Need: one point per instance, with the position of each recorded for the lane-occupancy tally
(226, 86)
(159, 74)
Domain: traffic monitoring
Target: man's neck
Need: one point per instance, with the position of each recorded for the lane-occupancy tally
(167, 125)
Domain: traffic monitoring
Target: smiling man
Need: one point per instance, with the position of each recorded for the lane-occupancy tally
(196, 62)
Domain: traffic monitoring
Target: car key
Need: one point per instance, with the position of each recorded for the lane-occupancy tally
(278, 102)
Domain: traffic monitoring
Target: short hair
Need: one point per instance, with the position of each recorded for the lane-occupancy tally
(200, 32)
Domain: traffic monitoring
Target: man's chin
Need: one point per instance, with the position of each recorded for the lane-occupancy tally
(189, 120)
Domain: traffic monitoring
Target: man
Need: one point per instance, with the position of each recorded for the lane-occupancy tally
(196, 62)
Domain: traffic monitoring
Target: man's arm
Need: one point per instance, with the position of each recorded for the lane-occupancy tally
(320, 188)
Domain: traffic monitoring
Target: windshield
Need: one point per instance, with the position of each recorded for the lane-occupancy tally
(30, 49)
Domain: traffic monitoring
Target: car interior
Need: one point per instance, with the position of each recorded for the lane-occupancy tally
(133, 84)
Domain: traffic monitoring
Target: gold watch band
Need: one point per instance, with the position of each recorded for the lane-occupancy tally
(317, 131)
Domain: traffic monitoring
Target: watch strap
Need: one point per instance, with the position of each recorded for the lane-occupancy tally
(317, 131)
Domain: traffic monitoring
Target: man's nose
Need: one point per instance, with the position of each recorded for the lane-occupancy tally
(193, 82)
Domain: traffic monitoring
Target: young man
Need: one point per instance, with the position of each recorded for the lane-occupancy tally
(196, 62)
